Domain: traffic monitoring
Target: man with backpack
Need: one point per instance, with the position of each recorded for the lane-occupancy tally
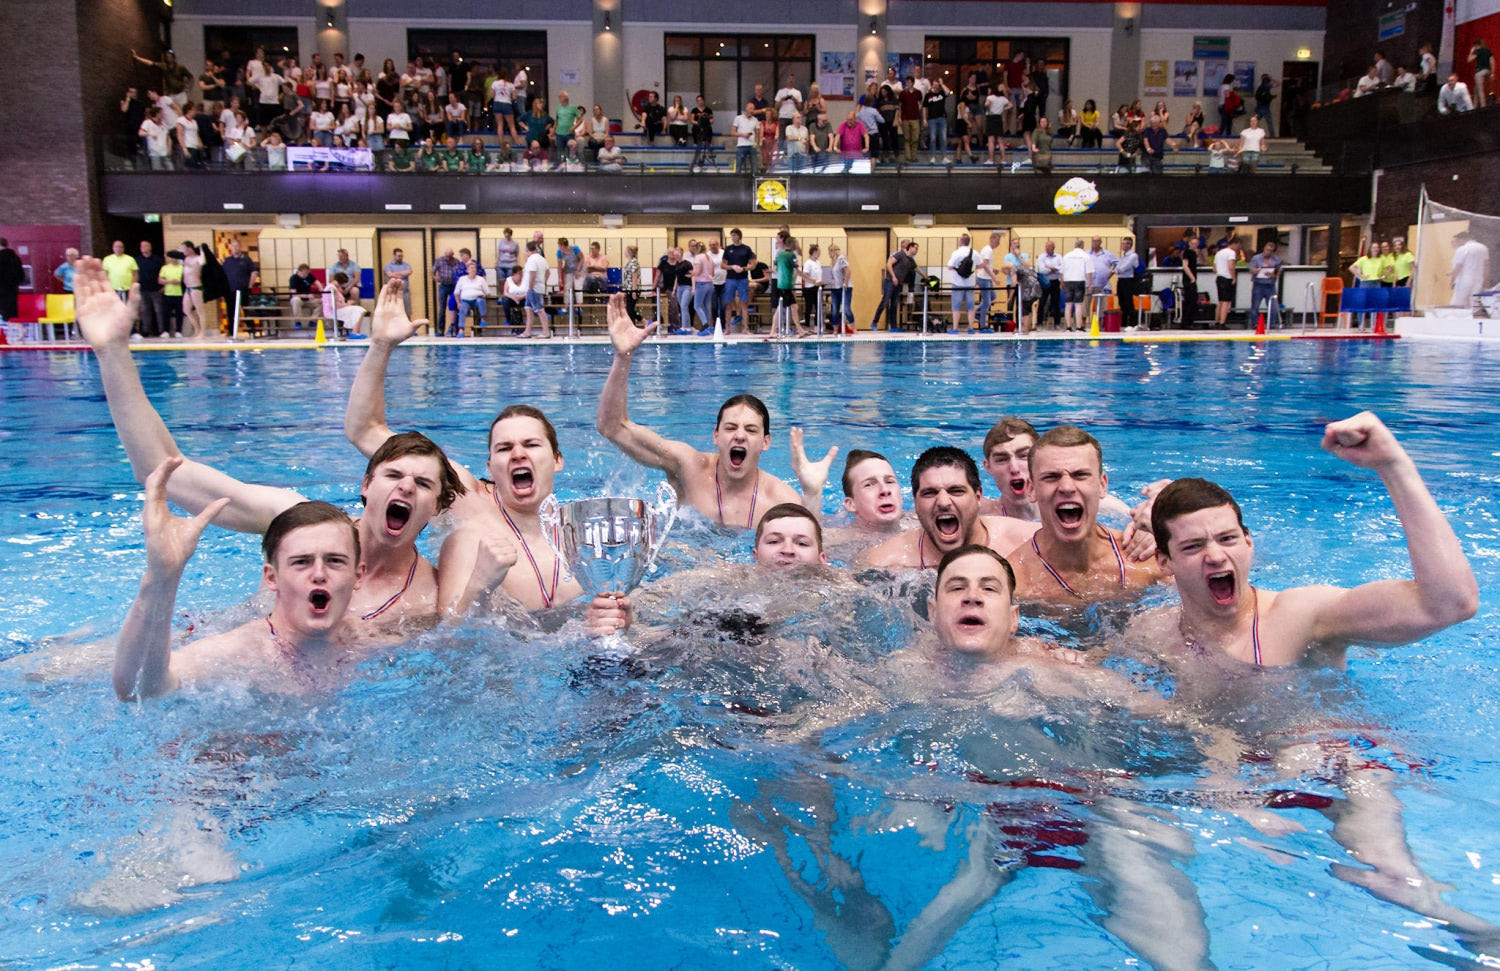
(899, 270)
(961, 267)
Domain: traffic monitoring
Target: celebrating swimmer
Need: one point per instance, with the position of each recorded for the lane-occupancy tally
(313, 566)
(727, 484)
(788, 535)
(946, 490)
(1073, 557)
(408, 479)
(1202, 542)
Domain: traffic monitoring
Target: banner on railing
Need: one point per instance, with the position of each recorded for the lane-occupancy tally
(315, 158)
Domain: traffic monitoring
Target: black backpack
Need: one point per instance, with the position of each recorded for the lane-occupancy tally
(965, 267)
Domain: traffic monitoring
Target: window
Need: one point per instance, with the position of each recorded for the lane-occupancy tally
(953, 58)
(726, 68)
(484, 51)
(241, 42)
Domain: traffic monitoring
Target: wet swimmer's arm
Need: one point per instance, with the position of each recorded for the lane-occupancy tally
(812, 477)
(613, 421)
(1442, 591)
(474, 562)
(106, 325)
(143, 656)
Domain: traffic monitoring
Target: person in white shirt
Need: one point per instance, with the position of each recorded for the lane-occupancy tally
(398, 126)
(514, 299)
(1252, 141)
(268, 97)
(520, 87)
(747, 139)
(1370, 82)
(1049, 267)
(1224, 261)
(984, 269)
(788, 104)
(995, 108)
(187, 137)
(158, 139)
(322, 124)
(469, 292)
(1405, 80)
(534, 278)
(812, 284)
(962, 259)
(1454, 97)
(1075, 278)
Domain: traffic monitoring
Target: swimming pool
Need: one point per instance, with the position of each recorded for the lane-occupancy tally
(491, 796)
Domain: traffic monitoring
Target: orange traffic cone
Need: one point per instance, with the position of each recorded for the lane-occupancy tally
(1380, 323)
(1260, 325)
(3, 341)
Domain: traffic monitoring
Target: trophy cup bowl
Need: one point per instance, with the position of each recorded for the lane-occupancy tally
(609, 543)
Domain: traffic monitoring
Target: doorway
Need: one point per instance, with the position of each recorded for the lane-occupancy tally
(1299, 88)
(413, 244)
(454, 239)
(868, 251)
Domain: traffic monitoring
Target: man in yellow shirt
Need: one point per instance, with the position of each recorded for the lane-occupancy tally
(121, 269)
(171, 293)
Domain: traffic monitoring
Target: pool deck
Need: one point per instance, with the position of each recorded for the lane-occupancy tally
(1137, 337)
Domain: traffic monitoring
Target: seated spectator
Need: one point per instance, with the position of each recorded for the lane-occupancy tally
(598, 129)
(348, 311)
(400, 157)
(1193, 128)
(1453, 97)
(513, 300)
(306, 290)
(535, 157)
(456, 114)
(611, 158)
(1068, 122)
(275, 150)
(596, 270)
(1368, 84)
(398, 125)
(450, 157)
(1089, 133)
(322, 123)
(1405, 80)
(1128, 146)
(478, 159)
(469, 292)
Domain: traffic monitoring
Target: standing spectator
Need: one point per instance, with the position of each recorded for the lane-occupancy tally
(1016, 71)
(65, 270)
(736, 264)
(1017, 268)
(1428, 82)
(762, 106)
(241, 273)
(502, 106)
(784, 299)
(1041, 147)
(911, 117)
(935, 114)
(841, 286)
(567, 122)
(399, 126)
(351, 272)
(1453, 97)
(747, 139)
(820, 139)
(652, 117)
(445, 272)
(148, 275)
(305, 288)
(132, 114)
(811, 275)
(1383, 69)
(961, 265)
(1030, 110)
(770, 130)
(399, 269)
(1101, 267)
(721, 277)
(1252, 141)
(387, 90)
(682, 286)
(1406, 262)
(996, 107)
(1470, 269)
(267, 96)
(1075, 281)
(703, 133)
(170, 279)
(1482, 59)
(1265, 271)
(796, 143)
(569, 261)
(630, 282)
(12, 274)
(1049, 266)
(900, 268)
(1130, 275)
(1190, 281)
(210, 83)
(788, 104)
(534, 276)
(158, 139)
(854, 140)
(984, 273)
(513, 297)
(118, 266)
(539, 126)
(521, 88)
(1265, 93)
(1154, 142)
(507, 253)
(1224, 274)
(703, 289)
(176, 79)
(470, 290)
(888, 104)
(1230, 105)
(1387, 265)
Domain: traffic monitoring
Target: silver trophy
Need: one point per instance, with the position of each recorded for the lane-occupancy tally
(610, 543)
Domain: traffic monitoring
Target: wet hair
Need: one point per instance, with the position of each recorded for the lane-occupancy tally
(1005, 429)
(300, 515)
(856, 456)
(789, 510)
(1185, 496)
(415, 443)
(976, 549)
(749, 401)
(527, 411)
(945, 457)
(1066, 436)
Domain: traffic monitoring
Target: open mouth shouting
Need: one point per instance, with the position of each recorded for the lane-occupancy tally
(1221, 587)
(888, 507)
(737, 456)
(949, 528)
(971, 622)
(522, 482)
(1070, 515)
(397, 515)
(1018, 486)
(319, 600)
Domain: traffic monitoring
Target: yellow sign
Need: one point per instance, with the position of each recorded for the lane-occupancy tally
(771, 196)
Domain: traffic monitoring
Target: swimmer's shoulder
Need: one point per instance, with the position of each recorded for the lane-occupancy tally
(898, 551)
(1008, 534)
(218, 656)
(1289, 624)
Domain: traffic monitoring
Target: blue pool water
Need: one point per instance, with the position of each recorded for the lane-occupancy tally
(491, 797)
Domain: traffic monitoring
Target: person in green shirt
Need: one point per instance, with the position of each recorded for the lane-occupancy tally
(400, 158)
(784, 295)
(1406, 261)
(121, 269)
(1387, 262)
(567, 117)
(450, 158)
(1366, 269)
(170, 277)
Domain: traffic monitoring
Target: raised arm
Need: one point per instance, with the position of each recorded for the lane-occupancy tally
(1442, 591)
(613, 421)
(106, 323)
(143, 654)
(812, 477)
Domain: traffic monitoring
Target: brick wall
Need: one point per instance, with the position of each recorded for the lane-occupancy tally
(1471, 183)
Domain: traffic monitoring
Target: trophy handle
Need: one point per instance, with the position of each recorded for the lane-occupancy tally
(550, 520)
(666, 509)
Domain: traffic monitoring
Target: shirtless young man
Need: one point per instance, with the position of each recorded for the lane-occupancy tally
(946, 490)
(1202, 542)
(407, 481)
(306, 642)
(726, 485)
(1074, 558)
(872, 495)
(789, 535)
(192, 290)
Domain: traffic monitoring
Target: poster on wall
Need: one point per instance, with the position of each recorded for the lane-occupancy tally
(1156, 77)
(1185, 79)
(836, 74)
(1210, 48)
(905, 64)
(1244, 75)
(1214, 73)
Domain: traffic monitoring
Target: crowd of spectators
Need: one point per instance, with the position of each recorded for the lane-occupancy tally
(1453, 95)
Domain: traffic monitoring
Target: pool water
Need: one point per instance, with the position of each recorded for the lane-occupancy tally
(755, 791)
